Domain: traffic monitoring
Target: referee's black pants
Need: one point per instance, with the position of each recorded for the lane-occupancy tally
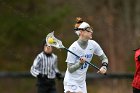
(136, 90)
(45, 85)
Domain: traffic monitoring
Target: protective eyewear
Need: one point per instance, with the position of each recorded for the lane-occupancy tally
(88, 29)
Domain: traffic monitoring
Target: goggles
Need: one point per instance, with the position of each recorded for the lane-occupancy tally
(88, 29)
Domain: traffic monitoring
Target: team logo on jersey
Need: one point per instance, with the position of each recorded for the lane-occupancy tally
(88, 55)
(73, 87)
(84, 65)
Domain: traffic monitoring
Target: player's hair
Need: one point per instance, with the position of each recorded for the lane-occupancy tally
(78, 22)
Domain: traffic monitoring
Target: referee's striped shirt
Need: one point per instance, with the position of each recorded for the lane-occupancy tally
(45, 65)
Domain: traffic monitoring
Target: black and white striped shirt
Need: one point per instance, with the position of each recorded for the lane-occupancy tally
(46, 65)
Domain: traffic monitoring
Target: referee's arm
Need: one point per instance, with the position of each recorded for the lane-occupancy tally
(35, 67)
(56, 66)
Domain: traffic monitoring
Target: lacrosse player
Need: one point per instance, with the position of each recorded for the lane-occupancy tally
(45, 69)
(136, 80)
(75, 76)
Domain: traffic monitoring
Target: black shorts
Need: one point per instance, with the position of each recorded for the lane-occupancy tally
(46, 85)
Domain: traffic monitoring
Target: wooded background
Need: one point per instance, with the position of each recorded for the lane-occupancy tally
(25, 23)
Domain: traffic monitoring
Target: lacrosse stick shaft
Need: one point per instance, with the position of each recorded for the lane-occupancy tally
(79, 57)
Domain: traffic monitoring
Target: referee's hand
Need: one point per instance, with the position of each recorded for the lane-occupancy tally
(59, 76)
(39, 76)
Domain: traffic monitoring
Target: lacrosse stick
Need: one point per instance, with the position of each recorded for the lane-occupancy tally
(58, 44)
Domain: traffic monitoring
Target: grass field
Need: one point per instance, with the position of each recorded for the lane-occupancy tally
(28, 85)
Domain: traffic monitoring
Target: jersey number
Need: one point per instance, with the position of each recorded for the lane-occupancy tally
(84, 65)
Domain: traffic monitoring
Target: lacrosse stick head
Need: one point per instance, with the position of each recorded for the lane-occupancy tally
(52, 41)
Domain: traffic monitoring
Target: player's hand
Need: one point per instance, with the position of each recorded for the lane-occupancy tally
(103, 70)
(82, 60)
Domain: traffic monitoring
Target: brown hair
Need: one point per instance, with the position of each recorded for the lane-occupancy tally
(78, 22)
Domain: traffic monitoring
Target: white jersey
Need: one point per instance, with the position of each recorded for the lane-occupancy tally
(79, 75)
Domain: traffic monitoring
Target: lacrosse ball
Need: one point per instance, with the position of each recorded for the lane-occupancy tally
(50, 40)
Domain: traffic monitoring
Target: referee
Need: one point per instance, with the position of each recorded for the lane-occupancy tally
(45, 69)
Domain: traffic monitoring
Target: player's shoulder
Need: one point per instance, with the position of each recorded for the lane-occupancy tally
(74, 46)
(93, 42)
(74, 43)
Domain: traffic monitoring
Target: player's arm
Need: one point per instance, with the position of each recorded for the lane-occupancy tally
(72, 67)
(104, 60)
(98, 51)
